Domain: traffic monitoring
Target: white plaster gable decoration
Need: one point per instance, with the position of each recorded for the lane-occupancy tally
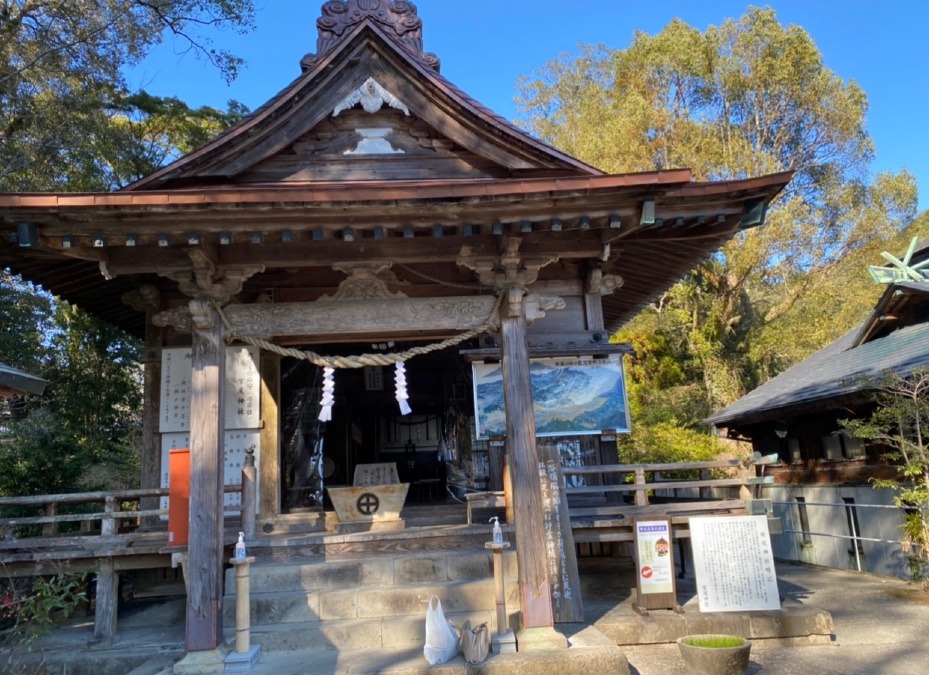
(374, 142)
(372, 97)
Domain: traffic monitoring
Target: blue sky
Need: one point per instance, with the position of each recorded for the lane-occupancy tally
(485, 45)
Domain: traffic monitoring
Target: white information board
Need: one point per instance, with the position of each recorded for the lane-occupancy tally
(653, 556)
(243, 387)
(235, 443)
(734, 563)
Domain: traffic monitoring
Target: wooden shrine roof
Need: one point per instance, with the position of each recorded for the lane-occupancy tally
(130, 237)
(371, 157)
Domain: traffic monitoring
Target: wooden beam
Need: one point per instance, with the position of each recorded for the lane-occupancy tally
(364, 316)
(534, 588)
(204, 624)
(302, 254)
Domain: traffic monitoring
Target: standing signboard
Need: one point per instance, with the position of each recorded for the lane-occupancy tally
(654, 561)
(734, 563)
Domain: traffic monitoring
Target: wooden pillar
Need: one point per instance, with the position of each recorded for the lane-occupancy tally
(534, 589)
(204, 627)
(269, 478)
(106, 599)
(147, 299)
(151, 412)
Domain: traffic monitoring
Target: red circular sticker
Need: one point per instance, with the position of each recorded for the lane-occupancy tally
(647, 572)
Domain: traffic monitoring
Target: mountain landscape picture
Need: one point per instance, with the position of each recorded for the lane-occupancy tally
(569, 396)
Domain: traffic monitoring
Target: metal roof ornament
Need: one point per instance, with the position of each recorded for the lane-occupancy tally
(900, 270)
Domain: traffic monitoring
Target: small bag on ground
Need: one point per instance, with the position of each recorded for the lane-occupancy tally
(441, 637)
(475, 642)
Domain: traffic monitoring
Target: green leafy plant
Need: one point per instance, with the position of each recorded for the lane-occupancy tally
(28, 612)
(899, 423)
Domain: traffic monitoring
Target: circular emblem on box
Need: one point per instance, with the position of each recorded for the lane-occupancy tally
(368, 504)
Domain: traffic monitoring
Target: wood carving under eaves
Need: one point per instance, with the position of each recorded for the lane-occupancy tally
(372, 96)
(604, 284)
(145, 298)
(365, 282)
(205, 281)
(397, 18)
(511, 273)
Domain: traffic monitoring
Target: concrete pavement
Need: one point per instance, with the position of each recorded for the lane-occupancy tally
(880, 626)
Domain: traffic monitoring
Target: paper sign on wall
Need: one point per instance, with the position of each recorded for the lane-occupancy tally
(243, 387)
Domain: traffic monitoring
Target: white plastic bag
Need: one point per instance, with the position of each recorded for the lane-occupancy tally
(441, 637)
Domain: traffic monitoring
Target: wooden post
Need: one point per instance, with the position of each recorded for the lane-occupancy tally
(106, 599)
(641, 496)
(108, 525)
(269, 437)
(534, 589)
(204, 627)
(248, 495)
(151, 396)
(50, 529)
(495, 458)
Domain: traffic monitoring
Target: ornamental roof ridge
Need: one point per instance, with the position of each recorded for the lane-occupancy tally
(397, 18)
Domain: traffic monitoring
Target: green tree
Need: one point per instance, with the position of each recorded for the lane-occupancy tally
(141, 133)
(60, 74)
(748, 97)
(900, 425)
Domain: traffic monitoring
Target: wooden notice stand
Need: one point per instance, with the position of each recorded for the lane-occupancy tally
(654, 564)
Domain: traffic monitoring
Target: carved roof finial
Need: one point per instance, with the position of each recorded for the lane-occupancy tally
(397, 18)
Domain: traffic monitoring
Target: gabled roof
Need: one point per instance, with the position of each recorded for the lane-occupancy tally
(13, 382)
(366, 52)
(839, 369)
(289, 190)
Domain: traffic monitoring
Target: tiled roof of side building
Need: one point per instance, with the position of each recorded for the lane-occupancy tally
(835, 370)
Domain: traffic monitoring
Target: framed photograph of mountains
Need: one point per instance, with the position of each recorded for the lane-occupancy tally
(570, 396)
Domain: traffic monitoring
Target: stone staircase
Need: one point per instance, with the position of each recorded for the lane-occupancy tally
(370, 600)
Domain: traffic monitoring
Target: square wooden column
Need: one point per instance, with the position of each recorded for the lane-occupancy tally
(204, 625)
(269, 478)
(534, 589)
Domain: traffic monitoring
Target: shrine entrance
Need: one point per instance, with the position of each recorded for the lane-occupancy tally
(367, 427)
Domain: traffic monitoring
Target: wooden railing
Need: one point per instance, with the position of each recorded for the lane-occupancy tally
(611, 519)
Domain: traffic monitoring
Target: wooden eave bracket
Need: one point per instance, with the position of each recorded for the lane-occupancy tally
(206, 281)
(512, 274)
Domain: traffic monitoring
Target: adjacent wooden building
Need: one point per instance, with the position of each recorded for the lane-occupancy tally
(369, 208)
(823, 482)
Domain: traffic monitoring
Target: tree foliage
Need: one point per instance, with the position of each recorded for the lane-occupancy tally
(68, 123)
(744, 98)
(899, 424)
(82, 432)
(61, 81)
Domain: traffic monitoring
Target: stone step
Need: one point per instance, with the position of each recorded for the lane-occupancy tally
(319, 573)
(407, 632)
(368, 603)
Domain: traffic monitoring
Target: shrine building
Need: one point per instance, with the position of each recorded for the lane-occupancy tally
(375, 220)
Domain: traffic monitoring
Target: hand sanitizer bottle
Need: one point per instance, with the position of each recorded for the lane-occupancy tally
(240, 547)
(498, 531)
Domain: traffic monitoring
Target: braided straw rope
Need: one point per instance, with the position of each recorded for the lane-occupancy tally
(361, 360)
